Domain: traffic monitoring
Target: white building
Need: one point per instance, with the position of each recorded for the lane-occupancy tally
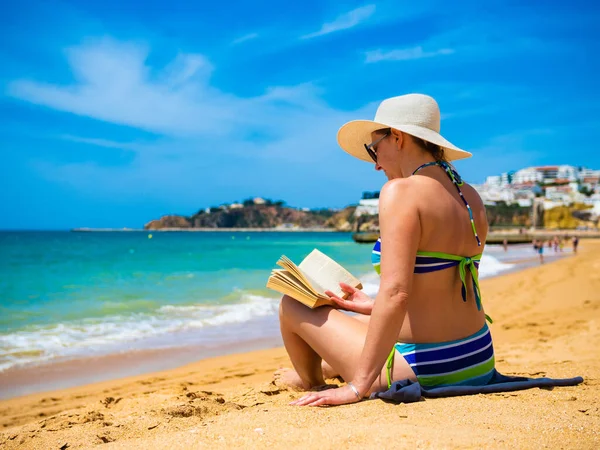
(367, 206)
(560, 185)
(556, 194)
(594, 200)
(493, 180)
(527, 176)
(590, 179)
(525, 202)
(548, 173)
(583, 173)
(566, 172)
(490, 194)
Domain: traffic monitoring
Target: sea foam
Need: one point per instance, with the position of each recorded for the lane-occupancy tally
(37, 344)
(70, 339)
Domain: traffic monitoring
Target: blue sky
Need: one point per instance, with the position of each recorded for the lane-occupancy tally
(115, 113)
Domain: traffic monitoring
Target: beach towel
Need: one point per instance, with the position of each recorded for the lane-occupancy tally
(406, 391)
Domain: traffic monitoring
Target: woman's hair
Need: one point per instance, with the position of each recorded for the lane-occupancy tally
(435, 150)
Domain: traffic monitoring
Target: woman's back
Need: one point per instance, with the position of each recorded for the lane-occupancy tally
(428, 307)
(436, 309)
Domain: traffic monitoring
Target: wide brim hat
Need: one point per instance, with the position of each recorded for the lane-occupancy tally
(414, 114)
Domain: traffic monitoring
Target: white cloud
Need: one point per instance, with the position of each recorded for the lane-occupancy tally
(344, 22)
(206, 137)
(404, 54)
(245, 38)
(115, 84)
(98, 142)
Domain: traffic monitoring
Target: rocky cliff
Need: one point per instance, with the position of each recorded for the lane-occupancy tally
(168, 222)
(269, 215)
(259, 216)
(503, 215)
(560, 217)
(570, 217)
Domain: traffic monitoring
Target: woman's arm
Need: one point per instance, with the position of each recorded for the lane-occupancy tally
(400, 235)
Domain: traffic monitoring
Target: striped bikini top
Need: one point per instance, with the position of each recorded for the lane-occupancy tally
(433, 261)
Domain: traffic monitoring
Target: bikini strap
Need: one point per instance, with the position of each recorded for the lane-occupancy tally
(389, 366)
(458, 182)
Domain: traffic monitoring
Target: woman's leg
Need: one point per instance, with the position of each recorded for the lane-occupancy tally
(330, 372)
(313, 335)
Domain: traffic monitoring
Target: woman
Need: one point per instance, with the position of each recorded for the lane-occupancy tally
(427, 322)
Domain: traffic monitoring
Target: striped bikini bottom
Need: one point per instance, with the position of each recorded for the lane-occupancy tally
(464, 362)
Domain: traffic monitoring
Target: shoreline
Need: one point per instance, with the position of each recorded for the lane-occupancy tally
(546, 323)
(203, 230)
(68, 372)
(72, 373)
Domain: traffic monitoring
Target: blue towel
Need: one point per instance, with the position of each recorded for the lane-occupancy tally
(407, 391)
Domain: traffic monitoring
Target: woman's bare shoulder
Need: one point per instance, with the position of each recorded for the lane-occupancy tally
(398, 186)
(397, 197)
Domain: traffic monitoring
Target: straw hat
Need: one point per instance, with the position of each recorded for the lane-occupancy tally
(414, 114)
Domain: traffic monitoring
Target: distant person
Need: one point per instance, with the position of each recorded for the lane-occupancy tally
(575, 243)
(541, 251)
(505, 244)
(561, 244)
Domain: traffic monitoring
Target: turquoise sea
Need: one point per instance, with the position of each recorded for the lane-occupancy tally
(65, 295)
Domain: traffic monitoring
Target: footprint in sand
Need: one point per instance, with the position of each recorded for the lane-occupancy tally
(244, 374)
(110, 401)
(92, 416)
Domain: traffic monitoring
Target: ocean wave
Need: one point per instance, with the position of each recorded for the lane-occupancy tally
(370, 282)
(40, 343)
(491, 266)
(123, 330)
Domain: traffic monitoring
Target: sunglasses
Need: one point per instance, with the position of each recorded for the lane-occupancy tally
(370, 148)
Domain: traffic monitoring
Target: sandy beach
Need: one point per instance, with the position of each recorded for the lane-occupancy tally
(546, 323)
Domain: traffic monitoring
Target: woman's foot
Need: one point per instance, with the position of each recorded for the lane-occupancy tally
(290, 378)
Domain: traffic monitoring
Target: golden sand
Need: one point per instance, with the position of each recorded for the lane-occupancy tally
(546, 323)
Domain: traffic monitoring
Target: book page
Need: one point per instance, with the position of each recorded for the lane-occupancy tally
(287, 290)
(285, 277)
(323, 274)
(284, 282)
(292, 268)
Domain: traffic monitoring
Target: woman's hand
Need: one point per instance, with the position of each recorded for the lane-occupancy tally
(337, 396)
(357, 300)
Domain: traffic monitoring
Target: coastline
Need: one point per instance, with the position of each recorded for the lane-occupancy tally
(169, 351)
(81, 371)
(546, 323)
(204, 230)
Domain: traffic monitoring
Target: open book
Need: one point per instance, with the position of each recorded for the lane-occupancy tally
(308, 281)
